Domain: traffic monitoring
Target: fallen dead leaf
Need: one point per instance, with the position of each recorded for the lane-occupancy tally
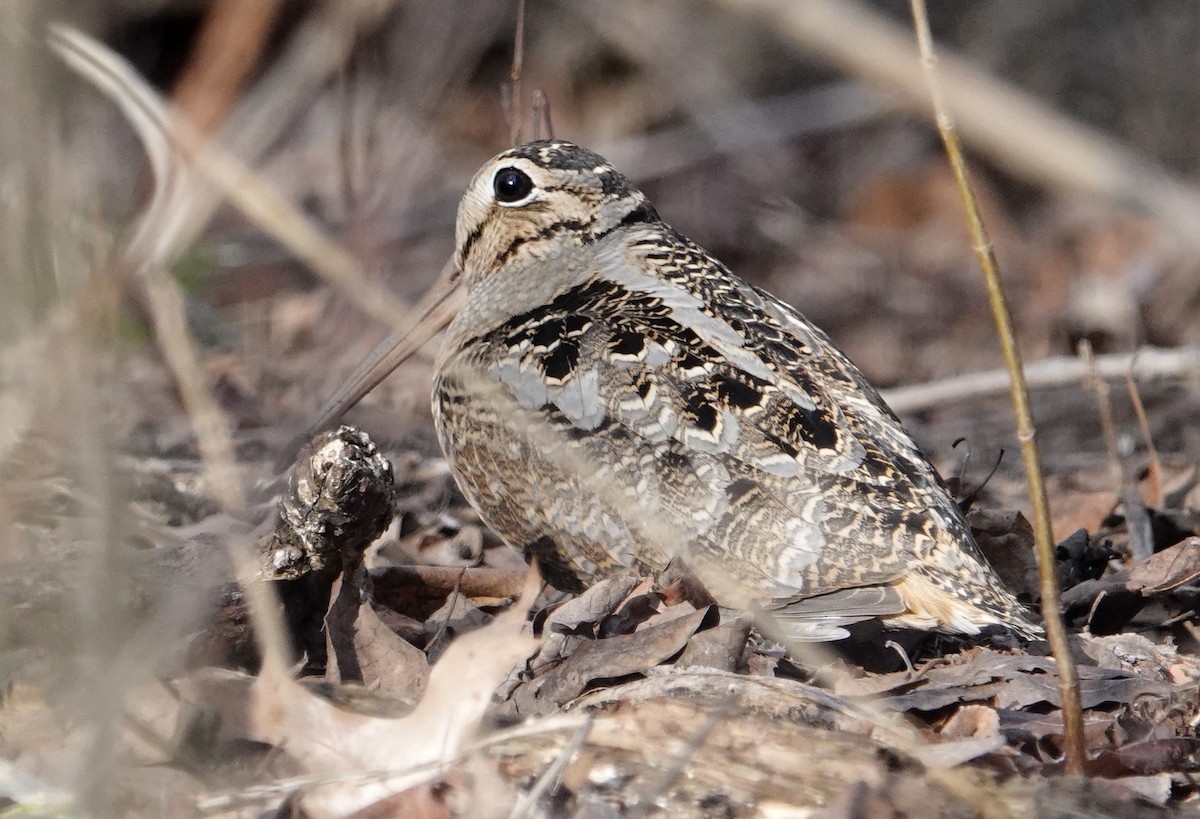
(363, 649)
(1006, 680)
(580, 618)
(609, 659)
(1168, 569)
(375, 757)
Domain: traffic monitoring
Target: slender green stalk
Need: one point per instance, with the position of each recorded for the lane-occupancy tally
(1056, 632)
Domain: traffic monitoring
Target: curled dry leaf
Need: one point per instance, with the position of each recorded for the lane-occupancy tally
(1009, 681)
(363, 649)
(1130, 652)
(332, 744)
(580, 617)
(973, 730)
(1113, 600)
(1167, 569)
(1028, 726)
(971, 721)
(1006, 538)
(457, 615)
(614, 658)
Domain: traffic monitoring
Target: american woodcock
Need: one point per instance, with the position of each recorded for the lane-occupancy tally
(610, 396)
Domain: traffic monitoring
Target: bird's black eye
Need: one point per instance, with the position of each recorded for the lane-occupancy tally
(511, 185)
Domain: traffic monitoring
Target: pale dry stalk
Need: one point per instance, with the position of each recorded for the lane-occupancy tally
(1056, 632)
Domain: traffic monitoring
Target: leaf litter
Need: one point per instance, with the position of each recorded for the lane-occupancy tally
(426, 688)
(422, 688)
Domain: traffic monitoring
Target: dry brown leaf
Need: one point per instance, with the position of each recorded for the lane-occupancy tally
(362, 649)
(1130, 652)
(1007, 680)
(1148, 758)
(612, 658)
(1167, 569)
(598, 602)
(1006, 538)
(1025, 726)
(973, 730)
(334, 744)
(580, 617)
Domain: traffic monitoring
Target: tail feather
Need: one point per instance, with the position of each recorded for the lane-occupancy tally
(824, 616)
(961, 609)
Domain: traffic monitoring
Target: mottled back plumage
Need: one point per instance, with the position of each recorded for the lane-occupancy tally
(611, 396)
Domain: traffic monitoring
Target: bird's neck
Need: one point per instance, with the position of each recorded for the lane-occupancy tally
(516, 288)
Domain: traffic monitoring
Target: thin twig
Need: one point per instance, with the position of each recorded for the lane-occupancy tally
(1108, 427)
(1056, 632)
(543, 127)
(1139, 409)
(514, 77)
(1137, 520)
(351, 136)
(1050, 372)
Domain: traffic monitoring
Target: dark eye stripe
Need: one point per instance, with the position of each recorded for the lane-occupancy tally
(571, 225)
(471, 239)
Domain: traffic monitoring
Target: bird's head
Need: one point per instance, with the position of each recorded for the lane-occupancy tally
(542, 200)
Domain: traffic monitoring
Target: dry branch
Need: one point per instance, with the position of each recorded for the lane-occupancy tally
(1061, 371)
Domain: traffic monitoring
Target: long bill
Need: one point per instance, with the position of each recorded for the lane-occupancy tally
(434, 311)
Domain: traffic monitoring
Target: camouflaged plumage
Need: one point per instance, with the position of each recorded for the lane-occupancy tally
(611, 396)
